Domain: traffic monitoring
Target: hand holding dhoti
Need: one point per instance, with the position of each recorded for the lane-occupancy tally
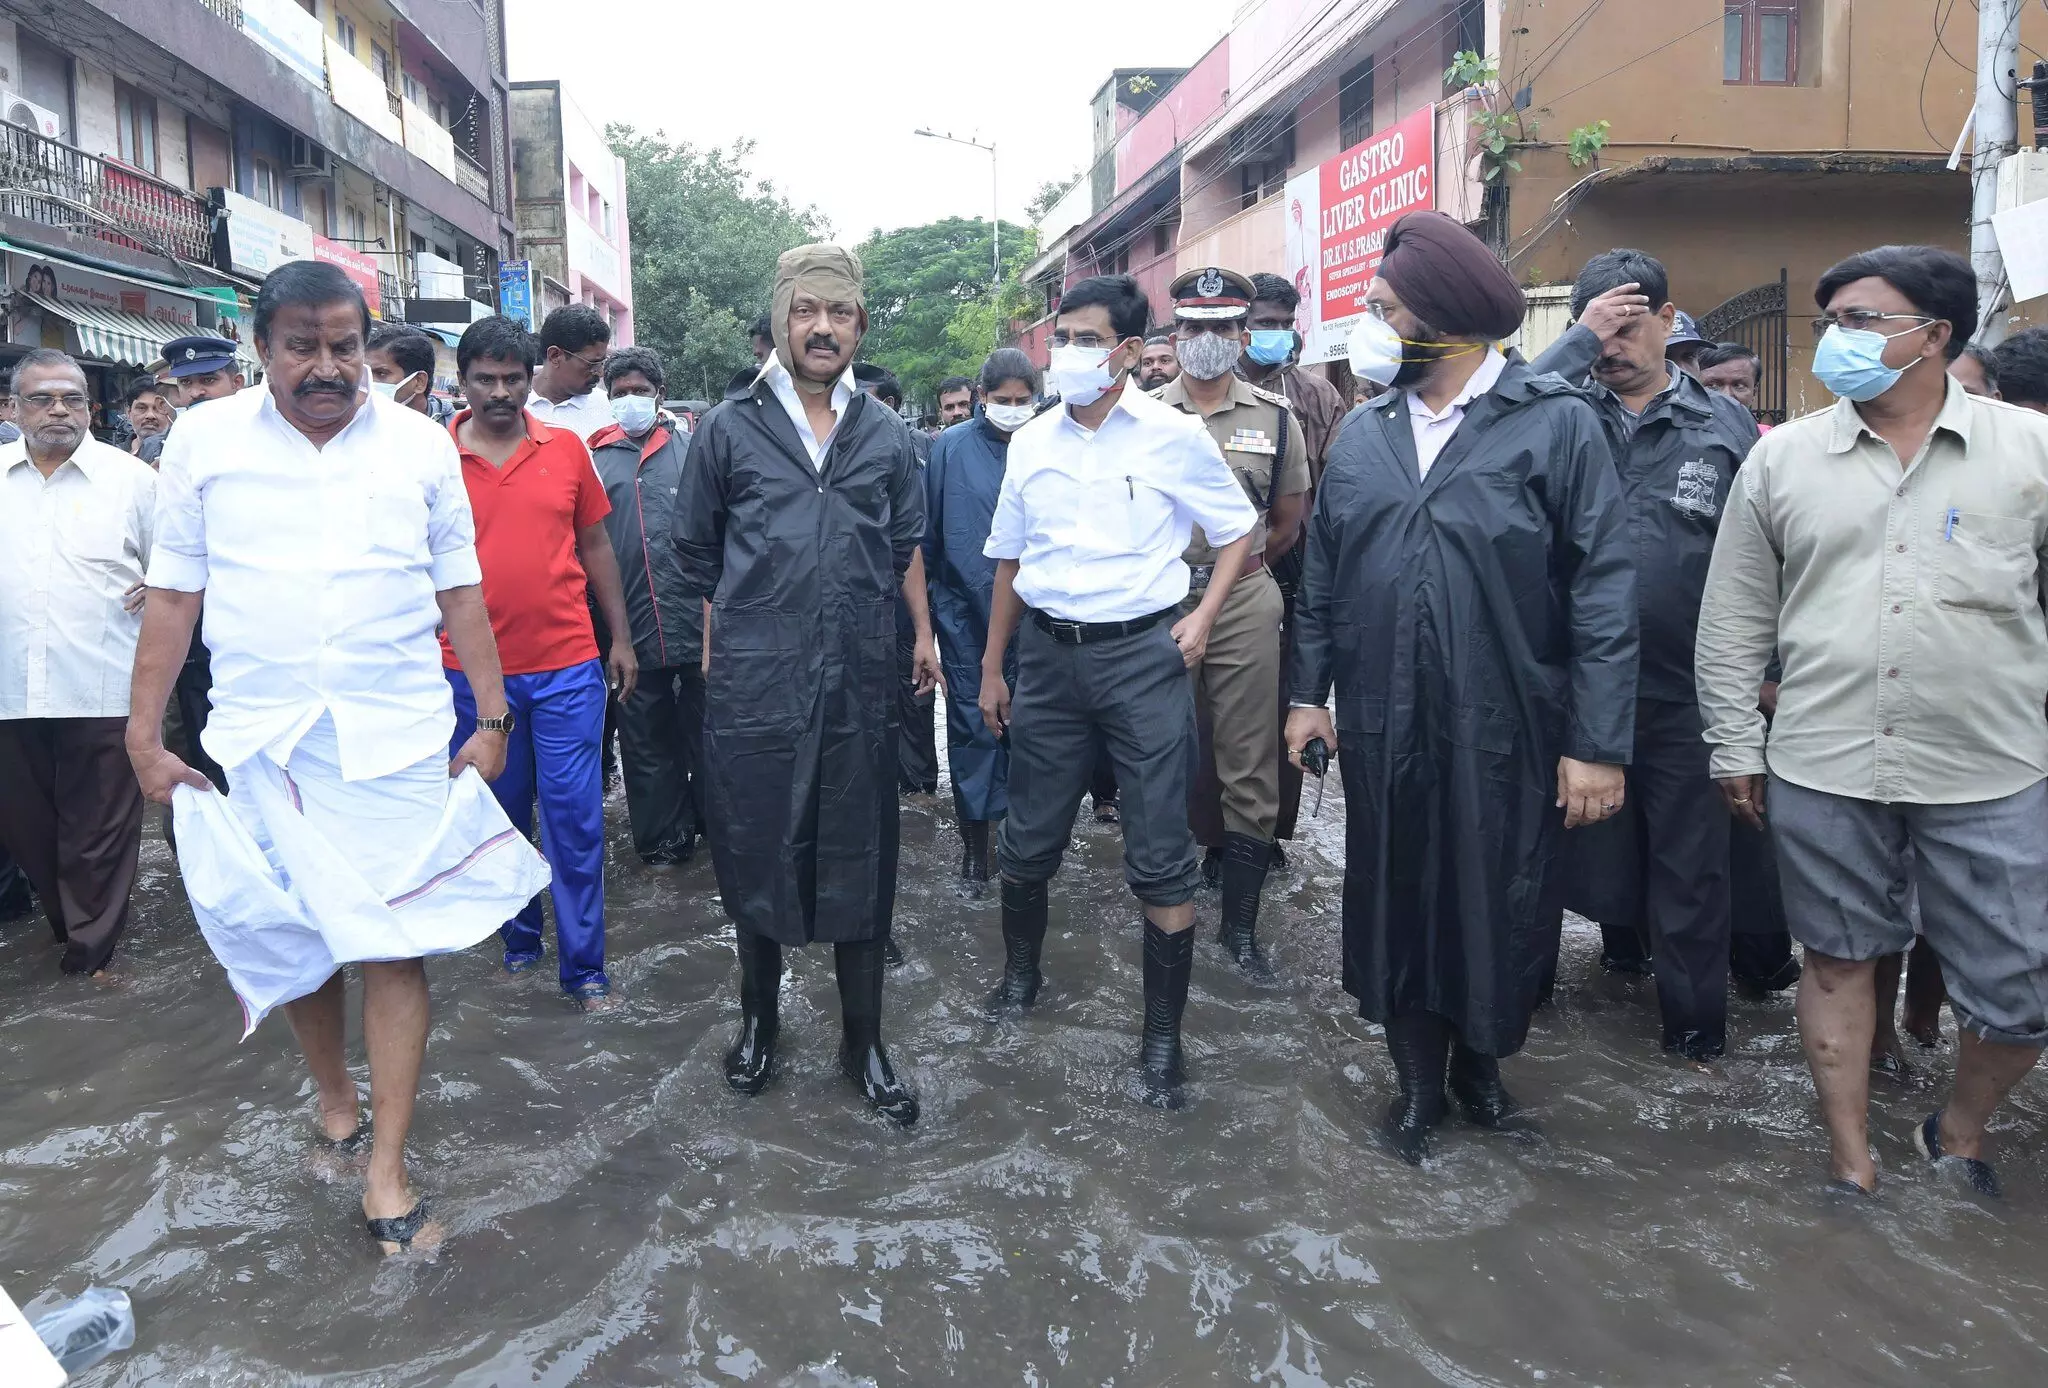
(158, 769)
(485, 751)
(1588, 791)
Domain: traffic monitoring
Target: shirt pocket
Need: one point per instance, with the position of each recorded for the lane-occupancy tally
(395, 518)
(1987, 565)
(1116, 514)
(95, 536)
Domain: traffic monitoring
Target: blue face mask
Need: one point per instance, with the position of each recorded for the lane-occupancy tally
(1270, 346)
(1850, 362)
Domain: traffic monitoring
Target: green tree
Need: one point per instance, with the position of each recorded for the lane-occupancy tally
(920, 280)
(706, 234)
(1049, 193)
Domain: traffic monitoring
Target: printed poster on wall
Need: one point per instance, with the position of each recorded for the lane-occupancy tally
(1338, 215)
(356, 265)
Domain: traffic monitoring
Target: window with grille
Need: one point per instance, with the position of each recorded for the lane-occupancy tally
(380, 63)
(1759, 44)
(345, 33)
(1354, 105)
(266, 182)
(135, 115)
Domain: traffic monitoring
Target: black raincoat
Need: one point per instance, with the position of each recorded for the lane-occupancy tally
(961, 483)
(1477, 625)
(802, 565)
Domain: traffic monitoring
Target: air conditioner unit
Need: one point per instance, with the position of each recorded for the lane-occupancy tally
(309, 160)
(19, 110)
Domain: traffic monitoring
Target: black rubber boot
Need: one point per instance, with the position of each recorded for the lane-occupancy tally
(1764, 963)
(977, 840)
(1475, 1084)
(1169, 963)
(1212, 868)
(749, 1065)
(892, 954)
(860, 1018)
(1024, 910)
(1245, 862)
(1420, 1044)
(1623, 950)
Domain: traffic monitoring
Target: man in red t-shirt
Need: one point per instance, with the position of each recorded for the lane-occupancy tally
(540, 539)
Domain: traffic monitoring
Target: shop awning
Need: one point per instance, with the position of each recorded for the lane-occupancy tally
(110, 335)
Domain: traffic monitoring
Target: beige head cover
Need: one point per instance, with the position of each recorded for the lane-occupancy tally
(829, 272)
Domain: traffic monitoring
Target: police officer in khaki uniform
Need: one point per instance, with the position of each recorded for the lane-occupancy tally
(1236, 684)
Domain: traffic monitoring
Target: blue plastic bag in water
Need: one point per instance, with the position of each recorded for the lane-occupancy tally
(82, 1333)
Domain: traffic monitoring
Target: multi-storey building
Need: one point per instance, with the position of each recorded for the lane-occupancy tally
(159, 157)
(571, 208)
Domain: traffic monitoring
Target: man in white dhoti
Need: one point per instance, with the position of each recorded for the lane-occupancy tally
(328, 532)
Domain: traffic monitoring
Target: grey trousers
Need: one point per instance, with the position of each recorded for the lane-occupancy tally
(1982, 873)
(1132, 691)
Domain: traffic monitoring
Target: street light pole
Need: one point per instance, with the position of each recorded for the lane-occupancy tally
(1997, 123)
(995, 277)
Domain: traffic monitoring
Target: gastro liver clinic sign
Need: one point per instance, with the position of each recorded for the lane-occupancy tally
(1338, 215)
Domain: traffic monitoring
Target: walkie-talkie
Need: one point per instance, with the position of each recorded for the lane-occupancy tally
(1315, 759)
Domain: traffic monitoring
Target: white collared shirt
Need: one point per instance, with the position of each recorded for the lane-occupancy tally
(1433, 430)
(582, 415)
(70, 546)
(779, 380)
(320, 567)
(1097, 520)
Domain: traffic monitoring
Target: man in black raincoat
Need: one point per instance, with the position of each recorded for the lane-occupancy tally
(1659, 870)
(1469, 590)
(800, 515)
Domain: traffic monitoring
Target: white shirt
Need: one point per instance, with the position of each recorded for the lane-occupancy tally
(70, 546)
(1097, 521)
(582, 415)
(320, 567)
(779, 380)
(1434, 430)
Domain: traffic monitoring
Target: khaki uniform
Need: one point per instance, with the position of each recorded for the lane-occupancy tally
(1236, 685)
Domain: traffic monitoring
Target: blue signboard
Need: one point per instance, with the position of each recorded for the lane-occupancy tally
(515, 292)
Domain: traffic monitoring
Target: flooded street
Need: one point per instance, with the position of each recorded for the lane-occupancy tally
(616, 1216)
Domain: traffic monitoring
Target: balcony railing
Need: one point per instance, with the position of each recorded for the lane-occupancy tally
(230, 10)
(48, 181)
(470, 176)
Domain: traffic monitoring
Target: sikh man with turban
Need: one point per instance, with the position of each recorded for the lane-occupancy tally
(800, 518)
(1470, 592)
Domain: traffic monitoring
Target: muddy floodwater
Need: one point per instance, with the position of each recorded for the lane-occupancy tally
(615, 1216)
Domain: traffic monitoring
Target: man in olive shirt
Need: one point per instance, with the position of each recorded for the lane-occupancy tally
(1234, 801)
(1892, 548)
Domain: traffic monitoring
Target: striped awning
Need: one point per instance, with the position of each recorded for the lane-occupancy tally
(109, 335)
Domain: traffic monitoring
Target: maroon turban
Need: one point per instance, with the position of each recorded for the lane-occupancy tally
(1449, 279)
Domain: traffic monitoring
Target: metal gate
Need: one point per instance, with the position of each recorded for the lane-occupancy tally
(1756, 319)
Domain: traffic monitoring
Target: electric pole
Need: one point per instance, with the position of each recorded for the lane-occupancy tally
(1997, 124)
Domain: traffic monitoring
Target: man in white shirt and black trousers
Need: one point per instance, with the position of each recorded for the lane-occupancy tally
(1097, 505)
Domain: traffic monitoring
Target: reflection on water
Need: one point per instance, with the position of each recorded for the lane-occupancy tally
(616, 1217)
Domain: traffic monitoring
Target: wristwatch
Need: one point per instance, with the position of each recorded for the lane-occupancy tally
(496, 725)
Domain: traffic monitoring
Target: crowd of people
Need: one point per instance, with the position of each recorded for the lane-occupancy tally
(1578, 632)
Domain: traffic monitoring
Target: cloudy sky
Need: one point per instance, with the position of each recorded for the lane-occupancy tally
(830, 92)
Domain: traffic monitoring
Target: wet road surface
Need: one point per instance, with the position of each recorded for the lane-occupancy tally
(615, 1216)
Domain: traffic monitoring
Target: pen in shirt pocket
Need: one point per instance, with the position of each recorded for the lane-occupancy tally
(1949, 534)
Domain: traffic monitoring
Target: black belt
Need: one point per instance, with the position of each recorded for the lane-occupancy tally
(1084, 633)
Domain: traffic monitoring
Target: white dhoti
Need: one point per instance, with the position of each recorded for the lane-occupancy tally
(299, 871)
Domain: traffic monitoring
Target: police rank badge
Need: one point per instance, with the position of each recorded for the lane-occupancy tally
(1697, 483)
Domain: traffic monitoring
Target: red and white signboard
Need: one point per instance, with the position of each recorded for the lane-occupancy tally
(355, 265)
(1338, 215)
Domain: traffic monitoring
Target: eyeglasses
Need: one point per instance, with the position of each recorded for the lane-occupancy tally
(1860, 320)
(1375, 309)
(1061, 338)
(44, 400)
(597, 365)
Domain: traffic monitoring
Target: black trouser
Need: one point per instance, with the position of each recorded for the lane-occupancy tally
(917, 742)
(661, 727)
(71, 812)
(1660, 866)
(193, 692)
(1102, 781)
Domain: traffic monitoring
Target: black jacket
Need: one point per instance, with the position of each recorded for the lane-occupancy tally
(1477, 624)
(802, 565)
(1676, 465)
(641, 480)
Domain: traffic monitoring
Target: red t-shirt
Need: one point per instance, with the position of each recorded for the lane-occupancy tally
(527, 516)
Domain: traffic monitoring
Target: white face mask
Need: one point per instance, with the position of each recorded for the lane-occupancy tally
(634, 413)
(1009, 418)
(1375, 351)
(1079, 375)
(389, 389)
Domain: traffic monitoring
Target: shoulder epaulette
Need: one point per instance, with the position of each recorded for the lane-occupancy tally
(1271, 397)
